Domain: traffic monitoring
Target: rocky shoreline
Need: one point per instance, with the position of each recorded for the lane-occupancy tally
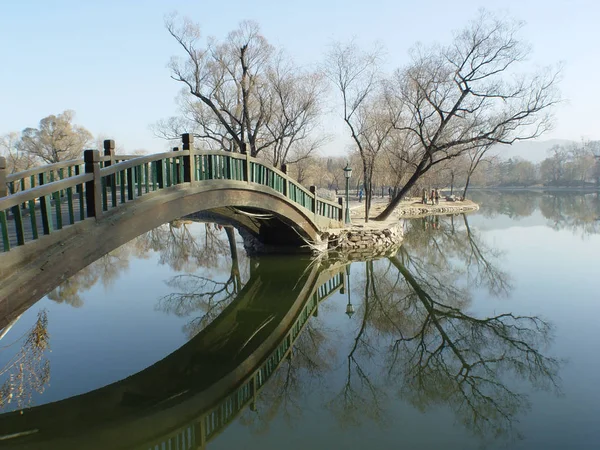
(383, 236)
(370, 238)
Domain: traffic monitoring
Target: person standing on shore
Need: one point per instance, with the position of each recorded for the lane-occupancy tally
(432, 196)
(437, 197)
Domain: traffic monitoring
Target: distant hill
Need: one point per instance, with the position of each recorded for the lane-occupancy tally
(534, 151)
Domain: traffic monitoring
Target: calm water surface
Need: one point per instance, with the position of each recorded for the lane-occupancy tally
(481, 332)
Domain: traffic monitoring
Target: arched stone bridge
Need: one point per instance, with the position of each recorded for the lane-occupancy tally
(73, 212)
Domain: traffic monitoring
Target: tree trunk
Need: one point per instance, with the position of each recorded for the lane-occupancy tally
(368, 189)
(464, 195)
(398, 198)
(368, 196)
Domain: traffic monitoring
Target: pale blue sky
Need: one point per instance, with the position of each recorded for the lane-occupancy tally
(107, 60)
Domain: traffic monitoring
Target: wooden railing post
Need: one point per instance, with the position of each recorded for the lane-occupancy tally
(175, 169)
(247, 174)
(109, 150)
(284, 169)
(93, 188)
(45, 207)
(341, 212)
(210, 169)
(313, 191)
(189, 172)
(160, 174)
(3, 174)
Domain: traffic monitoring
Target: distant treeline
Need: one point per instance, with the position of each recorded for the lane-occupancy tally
(576, 165)
(573, 166)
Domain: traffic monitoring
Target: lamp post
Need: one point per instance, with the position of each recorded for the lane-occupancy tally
(347, 175)
(349, 306)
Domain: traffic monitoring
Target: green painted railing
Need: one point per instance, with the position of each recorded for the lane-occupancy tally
(38, 176)
(38, 201)
(212, 422)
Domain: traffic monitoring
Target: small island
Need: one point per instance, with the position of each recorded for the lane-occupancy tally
(384, 236)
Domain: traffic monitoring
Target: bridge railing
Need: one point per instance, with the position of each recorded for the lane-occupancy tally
(38, 176)
(42, 175)
(38, 201)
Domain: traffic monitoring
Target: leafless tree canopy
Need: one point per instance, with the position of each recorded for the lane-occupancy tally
(56, 139)
(428, 124)
(244, 95)
(17, 160)
(356, 76)
(468, 95)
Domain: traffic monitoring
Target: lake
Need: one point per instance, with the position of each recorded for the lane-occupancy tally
(480, 332)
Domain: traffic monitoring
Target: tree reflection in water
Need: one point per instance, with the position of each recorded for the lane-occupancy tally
(463, 361)
(578, 212)
(414, 334)
(361, 397)
(415, 338)
(438, 353)
(176, 245)
(27, 370)
(203, 295)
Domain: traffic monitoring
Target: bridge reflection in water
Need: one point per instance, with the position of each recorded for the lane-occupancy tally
(189, 397)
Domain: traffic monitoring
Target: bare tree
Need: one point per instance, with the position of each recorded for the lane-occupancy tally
(241, 95)
(56, 139)
(335, 172)
(457, 98)
(400, 157)
(553, 168)
(593, 147)
(454, 171)
(356, 75)
(16, 159)
(475, 156)
(295, 110)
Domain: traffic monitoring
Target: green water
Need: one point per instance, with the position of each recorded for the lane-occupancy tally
(479, 333)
